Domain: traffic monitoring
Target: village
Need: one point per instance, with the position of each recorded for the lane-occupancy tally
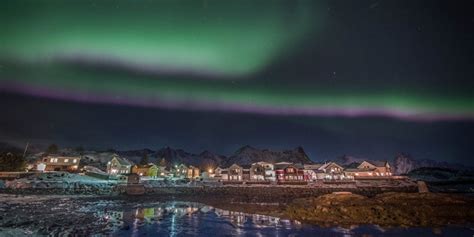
(281, 173)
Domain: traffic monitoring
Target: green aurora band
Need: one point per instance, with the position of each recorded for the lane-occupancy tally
(68, 82)
(229, 40)
(226, 38)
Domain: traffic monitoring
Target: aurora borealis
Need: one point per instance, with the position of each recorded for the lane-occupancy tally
(403, 62)
(204, 37)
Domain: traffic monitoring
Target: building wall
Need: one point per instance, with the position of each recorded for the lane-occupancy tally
(290, 174)
(193, 173)
(61, 163)
(145, 171)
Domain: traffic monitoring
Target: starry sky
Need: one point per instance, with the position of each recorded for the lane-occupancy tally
(363, 78)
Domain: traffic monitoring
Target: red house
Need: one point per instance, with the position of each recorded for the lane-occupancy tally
(287, 172)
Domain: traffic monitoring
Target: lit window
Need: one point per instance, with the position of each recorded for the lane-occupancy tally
(74, 161)
(66, 160)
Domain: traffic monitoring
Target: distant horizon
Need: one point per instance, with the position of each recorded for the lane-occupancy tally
(73, 147)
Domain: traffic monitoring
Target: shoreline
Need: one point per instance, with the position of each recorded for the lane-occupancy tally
(386, 209)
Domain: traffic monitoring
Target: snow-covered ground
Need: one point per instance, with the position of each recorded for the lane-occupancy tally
(56, 180)
(61, 183)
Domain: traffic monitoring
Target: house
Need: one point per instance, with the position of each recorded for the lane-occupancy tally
(331, 171)
(221, 173)
(235, 173)
(289, 172)
(370, 169)
(246, 172)
(192, 172)
(262, 171)
(162, 172)
(118, 166)
(60, 163)
(150, 170)
(312, 172)
(180, 171)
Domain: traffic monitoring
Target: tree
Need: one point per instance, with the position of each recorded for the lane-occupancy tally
(53, 148)
(12, 162)
(144, 160)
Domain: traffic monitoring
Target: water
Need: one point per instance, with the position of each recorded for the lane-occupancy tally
(194, 219)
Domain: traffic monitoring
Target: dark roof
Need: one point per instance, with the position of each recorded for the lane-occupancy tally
(378, 163)
(352, 165)
(298, 166)
(246, 166)
(281, 166)
(284, 166)
(312, 166)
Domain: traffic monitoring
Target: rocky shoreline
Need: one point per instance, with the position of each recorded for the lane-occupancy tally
(243, 193)
(60, 213)
(396, 205)
(386, 209)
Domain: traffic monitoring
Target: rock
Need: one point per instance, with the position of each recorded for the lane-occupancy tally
(422, 187)
(419, 209)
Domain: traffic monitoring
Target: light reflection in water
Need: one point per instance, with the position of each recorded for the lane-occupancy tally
(173, 212)
(194, 219)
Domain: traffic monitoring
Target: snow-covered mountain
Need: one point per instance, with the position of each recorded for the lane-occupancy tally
(404, 163)
(248, 155)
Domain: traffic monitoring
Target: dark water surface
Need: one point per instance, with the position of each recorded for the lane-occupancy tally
(194, 219)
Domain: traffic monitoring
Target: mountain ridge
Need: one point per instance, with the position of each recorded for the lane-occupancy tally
(403, 163)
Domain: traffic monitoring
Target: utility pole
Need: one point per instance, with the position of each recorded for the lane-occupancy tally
(26, 148)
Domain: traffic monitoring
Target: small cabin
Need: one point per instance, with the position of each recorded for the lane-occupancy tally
(118, 166)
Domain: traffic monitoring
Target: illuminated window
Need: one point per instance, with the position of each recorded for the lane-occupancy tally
(66, 160)
(74, 161)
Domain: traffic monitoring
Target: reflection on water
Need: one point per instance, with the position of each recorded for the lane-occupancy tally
(194, 219)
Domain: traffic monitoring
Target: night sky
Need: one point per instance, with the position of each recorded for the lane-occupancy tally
(363, 78)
